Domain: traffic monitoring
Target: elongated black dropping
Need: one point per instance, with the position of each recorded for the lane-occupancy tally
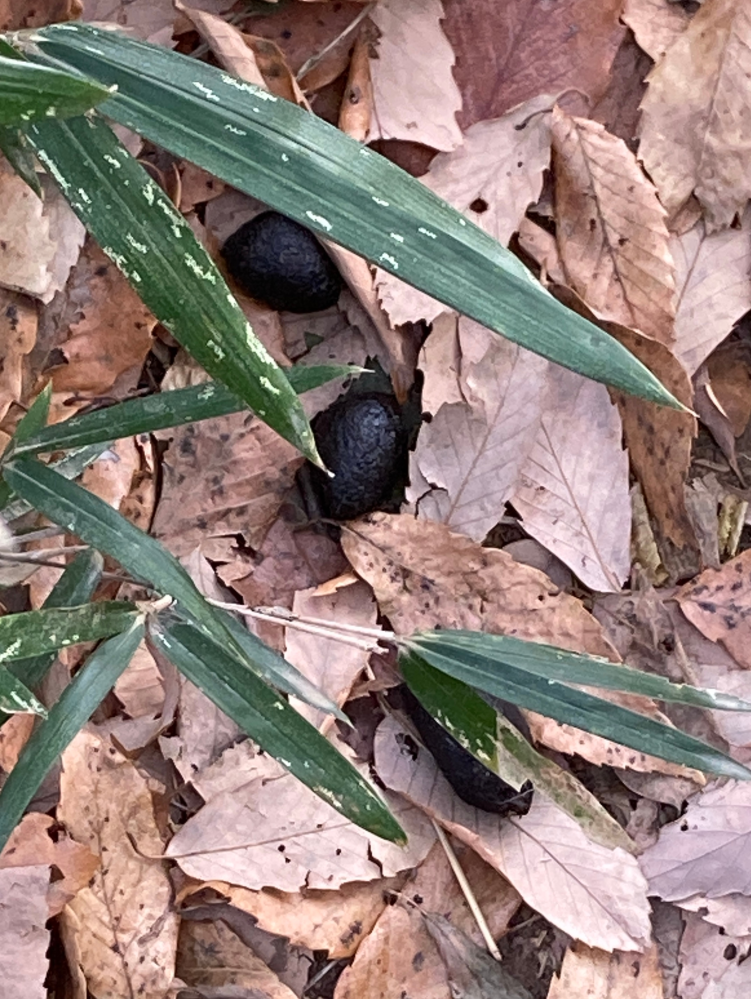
(361, 439)
(473, 782)
(279, 261)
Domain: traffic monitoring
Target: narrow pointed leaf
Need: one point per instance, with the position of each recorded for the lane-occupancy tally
(138, 227)
(571, 667)
(15, 148)
(29, 92)
(15, 698)
(157, 412)
(275, 726)
(75, 586)
(96, 523)
(32, 633)
(69, 466)
(574, 707)
(309, 170)
(75, 706)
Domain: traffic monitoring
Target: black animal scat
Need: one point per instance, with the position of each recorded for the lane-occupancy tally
(277, 260)
(362, 441)
(474, 783)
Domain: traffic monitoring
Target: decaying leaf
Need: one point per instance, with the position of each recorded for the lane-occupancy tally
(611, 229)
(696, 115)
(414, 93)
(656, 24)
(716, 603)
(599, 975)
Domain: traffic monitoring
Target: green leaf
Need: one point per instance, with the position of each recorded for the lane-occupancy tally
(28, 425)
(29, 92)
(32, 633)
(16, 150)
(69, 466)
(138, 227)
(477, 726)
(276, 727)
(15, 698)
(75, 586)
(572, 667)
(96, 523)
(574, 707)
(157, 412)
(75, 706)
(311, 171)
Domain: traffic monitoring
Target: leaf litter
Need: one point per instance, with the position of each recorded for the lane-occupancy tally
(613, 163)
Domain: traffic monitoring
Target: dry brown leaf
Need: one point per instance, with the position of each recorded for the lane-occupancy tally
(197, 187)
(113, 335)
(110, 476)
(573, 490)
(696, 115)
(128, 932)
(15, 14)
(32, 842)
(222, 477)
(24, 937)
(357, 104)
(729, 369)
(611, 229)
(330, 665)
(656, 24)
(712, 960)
(211, 955)
(507, 53)
(337, 922)
(424, 577)
(598, 975)
(260, 827)
(717, 603)
(618, 108)
(414, 93)
(732, 913)
(712, 274)
(397, 959)
(39, 239)
(226, 42)
(492, 179)
(14, 735)
(593, 893)
(18, 332)
(303, 31)
(472, 451)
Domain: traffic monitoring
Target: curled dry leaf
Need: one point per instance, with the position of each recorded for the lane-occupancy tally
(414, 93)
(492, 178)
(573, 490)
(509, 52)
(696, 116)
(127, 932)
(611, 229)
(712, 273)
(655, 24)
(545, 854)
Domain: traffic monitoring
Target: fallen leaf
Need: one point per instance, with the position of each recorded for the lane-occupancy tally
(356, 110)
(509, 53)
(716, 602)
(39, 240)
(695, 116)
(712, 965)
(566, 499)
(472, 452)
(263, 828)
(24, 938)
(492, 179)
(618, 108)
(729, 369)
(732, 913)
(127, 933)
(213, 956)
(598, 975)
(18, 332)
(706, 850)
(713, 288)
(611, 229)
(414, 93)
(545, 854)
(656, 24)
(424, 576)
(330, 665)
(238, 473)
